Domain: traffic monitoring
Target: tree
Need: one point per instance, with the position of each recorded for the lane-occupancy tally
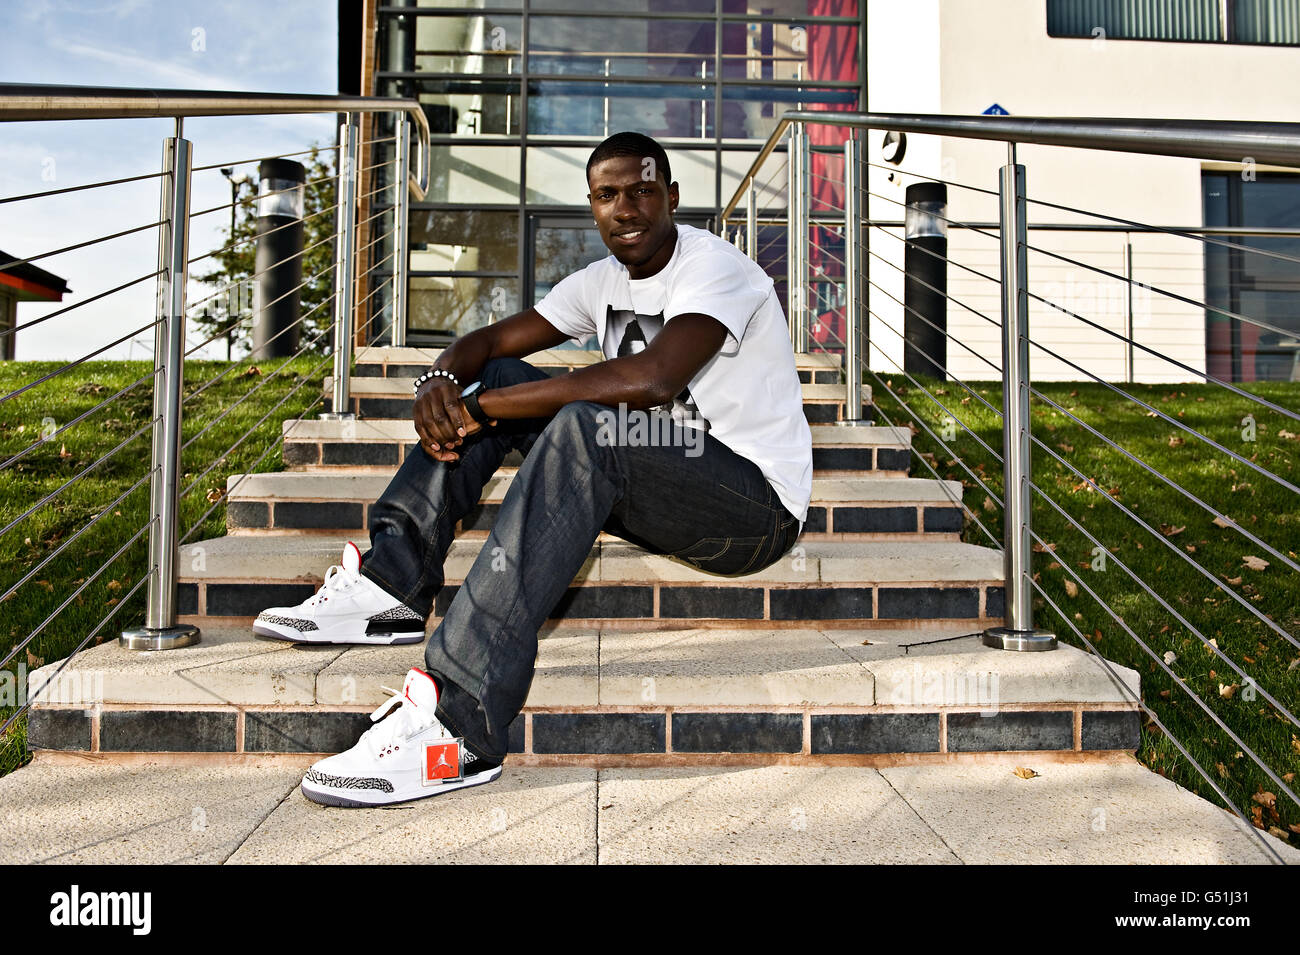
(227, 303)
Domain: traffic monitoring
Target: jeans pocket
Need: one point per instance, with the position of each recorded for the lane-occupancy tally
(728, 556)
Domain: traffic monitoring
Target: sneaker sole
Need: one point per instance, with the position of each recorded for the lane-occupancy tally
(298, 636)
(332, 797)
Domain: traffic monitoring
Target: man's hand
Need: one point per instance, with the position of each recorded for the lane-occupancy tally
(441, 419)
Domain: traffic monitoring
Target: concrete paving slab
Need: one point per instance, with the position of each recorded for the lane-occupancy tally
(729, 667)
(770, 814)
(1076, 813)
(107, 814)
(566, 671)
(965, 672)
(229, 665)
(528, 816)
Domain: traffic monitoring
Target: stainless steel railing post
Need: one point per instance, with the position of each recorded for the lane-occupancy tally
(401, 225)
(805, 174)
(1018, 633)
(751, 221)
(852, 285)
(161, 632)
(345, 266)
(797, 238)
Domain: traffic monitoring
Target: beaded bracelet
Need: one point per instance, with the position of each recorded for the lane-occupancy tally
(435, 373)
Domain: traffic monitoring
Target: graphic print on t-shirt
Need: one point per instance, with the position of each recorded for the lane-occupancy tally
(626, 333)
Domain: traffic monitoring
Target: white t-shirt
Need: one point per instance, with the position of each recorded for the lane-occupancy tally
(748, 395)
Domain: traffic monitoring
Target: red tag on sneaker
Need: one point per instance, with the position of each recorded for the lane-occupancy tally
(441, 761)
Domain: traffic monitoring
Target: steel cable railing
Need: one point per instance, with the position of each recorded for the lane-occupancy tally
(827, 270)
(160, 577)
(270, 447)
(63, 311)
(79, 245)
(1152, 715)
(256, 274)
(47, 438)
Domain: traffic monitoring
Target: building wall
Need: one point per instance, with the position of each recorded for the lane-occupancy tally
(958, 57)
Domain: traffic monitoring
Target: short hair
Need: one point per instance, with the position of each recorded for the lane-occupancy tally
(631, 144)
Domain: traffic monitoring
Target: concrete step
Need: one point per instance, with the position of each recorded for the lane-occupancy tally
(386, 361)
(840, 509)
(383, 443)
(938, 810)
(683, 694)
(391, 397)
(845, 584)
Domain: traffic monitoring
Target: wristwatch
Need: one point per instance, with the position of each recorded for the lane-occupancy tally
(471, 396)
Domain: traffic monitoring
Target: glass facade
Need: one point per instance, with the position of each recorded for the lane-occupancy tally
(1270, 22)
(518, 93)
(1263, 287)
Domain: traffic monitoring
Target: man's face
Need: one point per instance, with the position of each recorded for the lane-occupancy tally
(634, 212)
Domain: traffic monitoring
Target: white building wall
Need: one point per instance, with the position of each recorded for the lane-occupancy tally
(960, 57)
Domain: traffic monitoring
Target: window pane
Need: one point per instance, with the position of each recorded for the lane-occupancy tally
(460, 304)
(632, 6)
(452, 44)
(466, 4)
(464, 107)
(469, 241)
(752, 112)
(620, 47)
(584, 108)
(781, 51)
(793, 8)
(474, 174)
(557, 175)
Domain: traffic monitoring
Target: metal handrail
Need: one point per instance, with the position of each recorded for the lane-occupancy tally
(36, 102)
(1226, 140)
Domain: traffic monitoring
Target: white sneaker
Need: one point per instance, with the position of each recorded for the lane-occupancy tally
(348, 608)
(408, 755)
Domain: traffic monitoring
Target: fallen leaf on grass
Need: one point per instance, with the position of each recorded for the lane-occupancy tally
(1220, 522)
(1223, 770)
(1235, 581)
(1227, 691)
(1024, 773)
(1279, 833)
(215, 495)
(1170, 657)
(1169, 530)
(1265, 799)
(1176, 441)
(1072, 588)
(1254, 563)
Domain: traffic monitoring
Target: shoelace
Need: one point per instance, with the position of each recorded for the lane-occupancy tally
(398, 726)
(338, 580)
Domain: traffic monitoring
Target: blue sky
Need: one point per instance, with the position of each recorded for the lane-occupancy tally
(285, 46)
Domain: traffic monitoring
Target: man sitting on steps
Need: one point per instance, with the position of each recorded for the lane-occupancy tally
(688, 440)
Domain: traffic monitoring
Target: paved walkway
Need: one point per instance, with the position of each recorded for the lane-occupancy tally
(1112, 811)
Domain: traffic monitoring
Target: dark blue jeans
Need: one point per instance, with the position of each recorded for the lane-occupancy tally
(687, 495)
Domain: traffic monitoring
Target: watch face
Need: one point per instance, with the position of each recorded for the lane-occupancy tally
(472, 389)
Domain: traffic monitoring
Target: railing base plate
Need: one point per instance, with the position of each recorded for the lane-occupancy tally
(169, 638)
(1004, 638)
(336, 416)
(856, 423)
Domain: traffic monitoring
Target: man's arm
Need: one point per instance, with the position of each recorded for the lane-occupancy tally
(438, 414)
(651, 377)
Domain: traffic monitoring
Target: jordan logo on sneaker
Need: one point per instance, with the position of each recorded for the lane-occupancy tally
(441, 761)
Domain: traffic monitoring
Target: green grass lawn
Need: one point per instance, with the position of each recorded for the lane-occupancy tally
(1183, 538)
(1183, 544)
(102, 507)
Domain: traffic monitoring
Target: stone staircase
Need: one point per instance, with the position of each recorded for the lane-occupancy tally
(860, 646)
